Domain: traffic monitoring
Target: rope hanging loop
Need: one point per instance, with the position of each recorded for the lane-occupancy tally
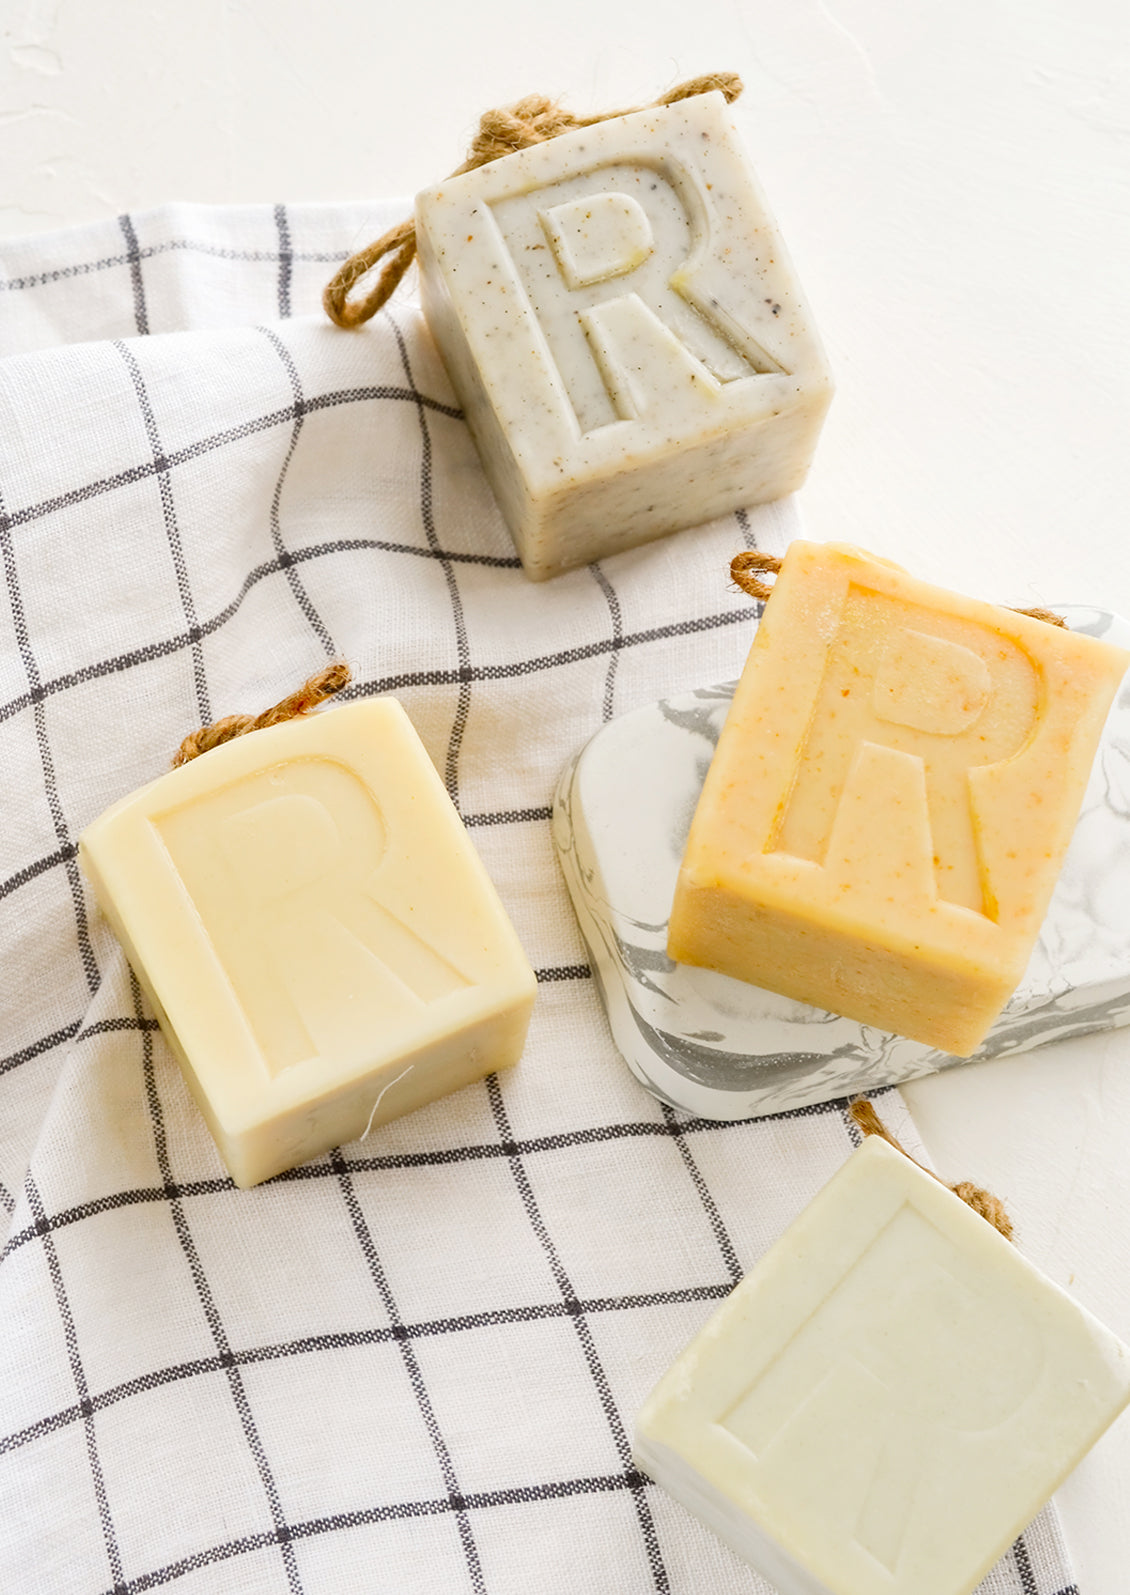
(502, 131)
(309, 695)
(744, 568)
(743, 573)
(863, 1115)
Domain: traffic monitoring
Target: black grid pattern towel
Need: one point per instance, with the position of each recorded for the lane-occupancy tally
(412, 1365)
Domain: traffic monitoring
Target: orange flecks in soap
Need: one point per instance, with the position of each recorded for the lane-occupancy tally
(891, 798)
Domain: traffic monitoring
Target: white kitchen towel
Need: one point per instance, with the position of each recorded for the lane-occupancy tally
(412, 1365)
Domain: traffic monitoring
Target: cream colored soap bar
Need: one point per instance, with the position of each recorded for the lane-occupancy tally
(316, 934)
(626, 335)
(886, 1401)
(891, 798)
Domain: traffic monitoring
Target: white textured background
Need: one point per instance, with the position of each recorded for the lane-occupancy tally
(954, 181)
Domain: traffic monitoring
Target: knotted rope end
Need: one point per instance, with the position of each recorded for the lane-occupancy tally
(862, 1113)
(1048, 616)
(989, 1206)
(309, 695)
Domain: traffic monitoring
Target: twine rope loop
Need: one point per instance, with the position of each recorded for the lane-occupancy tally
(743, 573)
(744, 568)
(862, 1113)
(502, 131)
(310, 694)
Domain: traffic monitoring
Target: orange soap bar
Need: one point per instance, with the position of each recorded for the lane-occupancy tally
(892, 798)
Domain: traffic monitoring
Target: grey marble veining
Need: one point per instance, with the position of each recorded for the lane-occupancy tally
(723, 1049)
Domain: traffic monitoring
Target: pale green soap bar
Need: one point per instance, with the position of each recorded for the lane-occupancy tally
(887, 1399)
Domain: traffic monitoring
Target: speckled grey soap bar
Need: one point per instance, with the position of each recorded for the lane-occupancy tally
(723, 1049)
(628, 339)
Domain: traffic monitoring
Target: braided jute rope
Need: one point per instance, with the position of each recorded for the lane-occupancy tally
(985, 1203)
(743, 568)
(503, 131)
(309, 695)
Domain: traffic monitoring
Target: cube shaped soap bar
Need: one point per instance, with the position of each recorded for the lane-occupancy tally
(620, 320)
(891, 798)
(887, 1399)
(317, 936)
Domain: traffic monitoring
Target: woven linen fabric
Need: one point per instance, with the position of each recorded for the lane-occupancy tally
(411, 1365)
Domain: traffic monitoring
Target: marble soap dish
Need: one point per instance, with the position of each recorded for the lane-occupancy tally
(722, 1049)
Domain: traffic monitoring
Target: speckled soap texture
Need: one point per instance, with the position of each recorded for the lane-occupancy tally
(625, 332)
(723, 1049)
